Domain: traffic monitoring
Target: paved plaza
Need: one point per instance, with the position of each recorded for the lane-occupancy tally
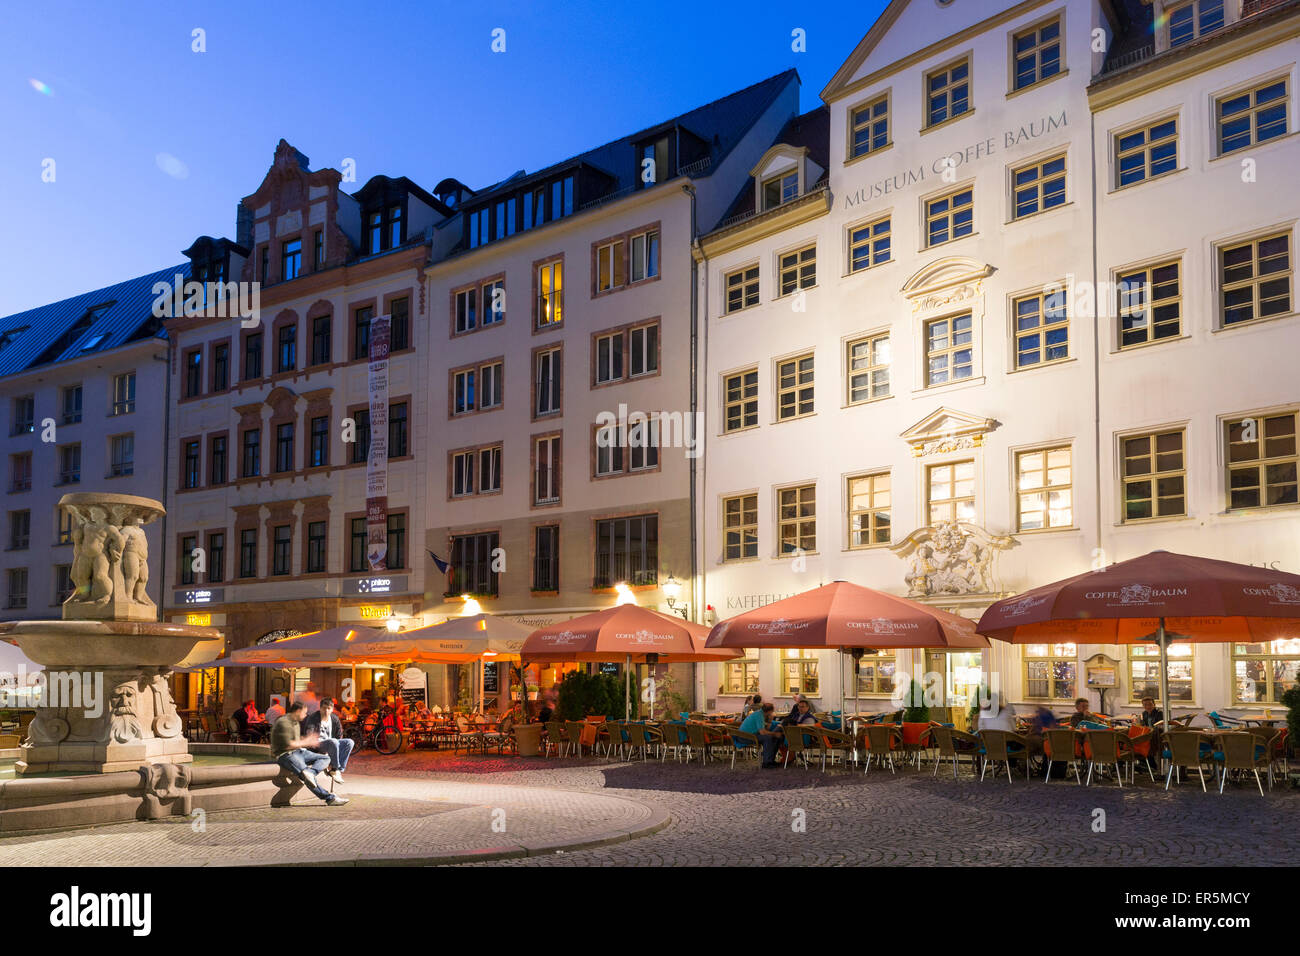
(424, 807)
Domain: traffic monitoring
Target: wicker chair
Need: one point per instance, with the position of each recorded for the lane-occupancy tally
(840, 743)
(618, 738)
(745, 744)
(573, 733)
(1109, 748)
(467, 737)
(674, 739)
(881, 740)
(800, 741)
(557, 738)
(1002, 747)
(1135, 741)
(697, 742)
(636, 738)
(1238, 751)
(1058, 747)
(1187, 748)
(954, 744)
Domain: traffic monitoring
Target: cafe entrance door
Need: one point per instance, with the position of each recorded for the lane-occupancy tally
(960, 674)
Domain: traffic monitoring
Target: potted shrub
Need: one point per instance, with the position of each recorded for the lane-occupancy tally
(914, 710)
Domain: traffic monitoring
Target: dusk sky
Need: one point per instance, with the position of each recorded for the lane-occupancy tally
(153, 144)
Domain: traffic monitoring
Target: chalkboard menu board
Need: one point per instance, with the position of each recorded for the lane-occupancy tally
(414, 685)
(609, 668)
(490, 680)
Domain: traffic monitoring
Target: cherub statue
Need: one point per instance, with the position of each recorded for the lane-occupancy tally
(135, 562)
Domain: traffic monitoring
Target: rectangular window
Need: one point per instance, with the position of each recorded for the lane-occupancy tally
(780, 189)
(1144, 673)
(1253, 117)
(1042, 329)
(1193, 20)
(869, 245)
(17, 588)
(286, 356)
(739, 527)
(316, 547)
(742, 289)
(799, 672)
(467, 310)
(643, 351)
(462, 474)
(739, 677)
(464, 391)
(868, 368)
(361, 332)
(1037, 54)
(546, 558)
(395, 227)
(950, 352)
(217, 460)
(396, 555)
(645, 256)
(248, 553)
(627, 551)
(190, 465)
(63, 586)
(282, 549)
(361, 444)
(193, 373)
(320, 441)
(252, 356)
(609, 358)
(610, 267)
(546, 480)
(1051, 671)
(876, 672)
(291, 258)
(1255, 279)
(284, 447)
(869, 510)
(20, 472)
(950, 492)
(1044, 490)
(121, 455)
(950, 217)
(65, 529)
(1153, 473)
(643, 444)
(72, 405)
(217, 556)
(546, 390)
(398, 431)
(266, 265)
(375, 232)
(489, 470)
(220, 367)
(318, 255)
(798, 270)
(494, 302)
(1146, 153)
(358, 542)
(1150, 304)
(1261, 454)
(20, 530)
(1262, 672)
(797, 518)
(491, 382)
(70, 464)
(251, 458)
(24, 414)
(947, 93)
(472, 558)
(610, 443)
(1038, 187)
(740, 400)
(124, 393)
(869, 127)
(321, 346)
(794, 387)
(188, 545)
(399, 324)
(550, 294)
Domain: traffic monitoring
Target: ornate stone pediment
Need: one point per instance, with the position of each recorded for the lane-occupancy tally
(945, 430)
(953, 281)
(953, 558)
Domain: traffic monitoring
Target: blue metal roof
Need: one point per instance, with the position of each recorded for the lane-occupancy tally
(91, 322)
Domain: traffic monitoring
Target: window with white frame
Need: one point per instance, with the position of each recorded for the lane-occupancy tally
(546, 477)
(644, 262)
(867, 364)
(1150, 303)
(949, 349)
(1153, 472)
(121, 453)
(1146, 152)
(491, 379)
(869, 127)
(869, 244)
(794, 387)
(1044, 489)
(1261, 459)
(546, 382)
(124, 393)
(609, 358)
(610, 267)
(464, 391)
(1255, 279)
(950, 492)
(780, 189)
(740, 400)
(462, 474)
(550, 294)
(489, 470)
(466, 310)
(643, 350)
(1042, 328)
(869, 510)
(494, 301)
(1252, 117)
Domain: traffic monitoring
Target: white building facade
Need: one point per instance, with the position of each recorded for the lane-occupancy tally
(947, 369)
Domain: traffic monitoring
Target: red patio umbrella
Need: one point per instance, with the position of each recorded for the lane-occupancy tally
(625, 632)
(845, 616)
(1162, 596)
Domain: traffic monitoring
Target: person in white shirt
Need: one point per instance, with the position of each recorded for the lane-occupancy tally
(998, 717)
(275, 711)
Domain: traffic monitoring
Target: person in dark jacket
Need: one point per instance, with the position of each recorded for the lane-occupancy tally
(325, 725)
(546, 713)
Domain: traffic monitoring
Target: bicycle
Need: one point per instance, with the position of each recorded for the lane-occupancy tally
(379, 729)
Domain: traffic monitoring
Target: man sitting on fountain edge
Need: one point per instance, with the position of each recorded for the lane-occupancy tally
(293, 753)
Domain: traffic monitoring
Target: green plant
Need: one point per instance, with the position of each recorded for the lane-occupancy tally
(669, 701)
(585, 695)
(1291, 697)
(915, 711)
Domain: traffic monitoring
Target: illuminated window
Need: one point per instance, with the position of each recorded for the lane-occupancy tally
(1051, 671)
(869, 510)
(950, 492)
(1262, 461)
(740, 527)
(1144, 672)
(876, 672)
(1043, 489)
(799, 672)
(740, 677)
(797, 518)
(550, 294)
(1262, 673)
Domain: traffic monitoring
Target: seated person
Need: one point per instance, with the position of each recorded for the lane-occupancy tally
(1042, 719)
(1081, 713)
(240, 717)
(275, 711)
(1151, 715)
(324, 725)
(292, 751)
(546, 713)
(998, 717)
(348, 711)
(769, 731)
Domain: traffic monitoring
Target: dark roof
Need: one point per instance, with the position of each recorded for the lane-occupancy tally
(812, 131)
(1135, 36)
(91, 322)
(721, 124)
(383, 187)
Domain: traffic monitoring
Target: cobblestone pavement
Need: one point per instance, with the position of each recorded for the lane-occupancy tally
(748, 816)
(423, 806)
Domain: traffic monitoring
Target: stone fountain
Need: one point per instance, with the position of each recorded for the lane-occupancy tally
(106, 705)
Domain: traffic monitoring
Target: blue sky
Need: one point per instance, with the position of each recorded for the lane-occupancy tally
(404, 88)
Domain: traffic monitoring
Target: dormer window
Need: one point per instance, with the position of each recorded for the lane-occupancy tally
(383, 229)
(652, 162)
(780, 189)
(1191, 21)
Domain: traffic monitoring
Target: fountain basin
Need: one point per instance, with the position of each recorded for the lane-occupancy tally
(87, 644)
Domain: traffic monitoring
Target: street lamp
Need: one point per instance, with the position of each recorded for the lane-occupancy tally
(672, 589)
(625, 595)
(393, 624)
(471, 606)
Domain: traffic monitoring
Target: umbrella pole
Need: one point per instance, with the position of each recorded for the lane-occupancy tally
(627, 697)
(1162, 638)
(480, 685)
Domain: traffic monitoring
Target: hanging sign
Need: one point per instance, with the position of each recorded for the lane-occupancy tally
(377, 465)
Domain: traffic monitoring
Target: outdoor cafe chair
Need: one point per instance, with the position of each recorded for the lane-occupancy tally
(881, 739)
(1187, 749)
(674, 739)
(1002, 747)
(557, 738)
(1224, 722)
(1107, 748)
(1139, 747)
(837, 743)
(1059, 747)
(1240, 751)
(654, 737)
(697, 741)
(619, 738)
(801, 740)
(573, 731)
(466, 737)
(954, 744)
(635, 738)
(502, 737)
(744, 743)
